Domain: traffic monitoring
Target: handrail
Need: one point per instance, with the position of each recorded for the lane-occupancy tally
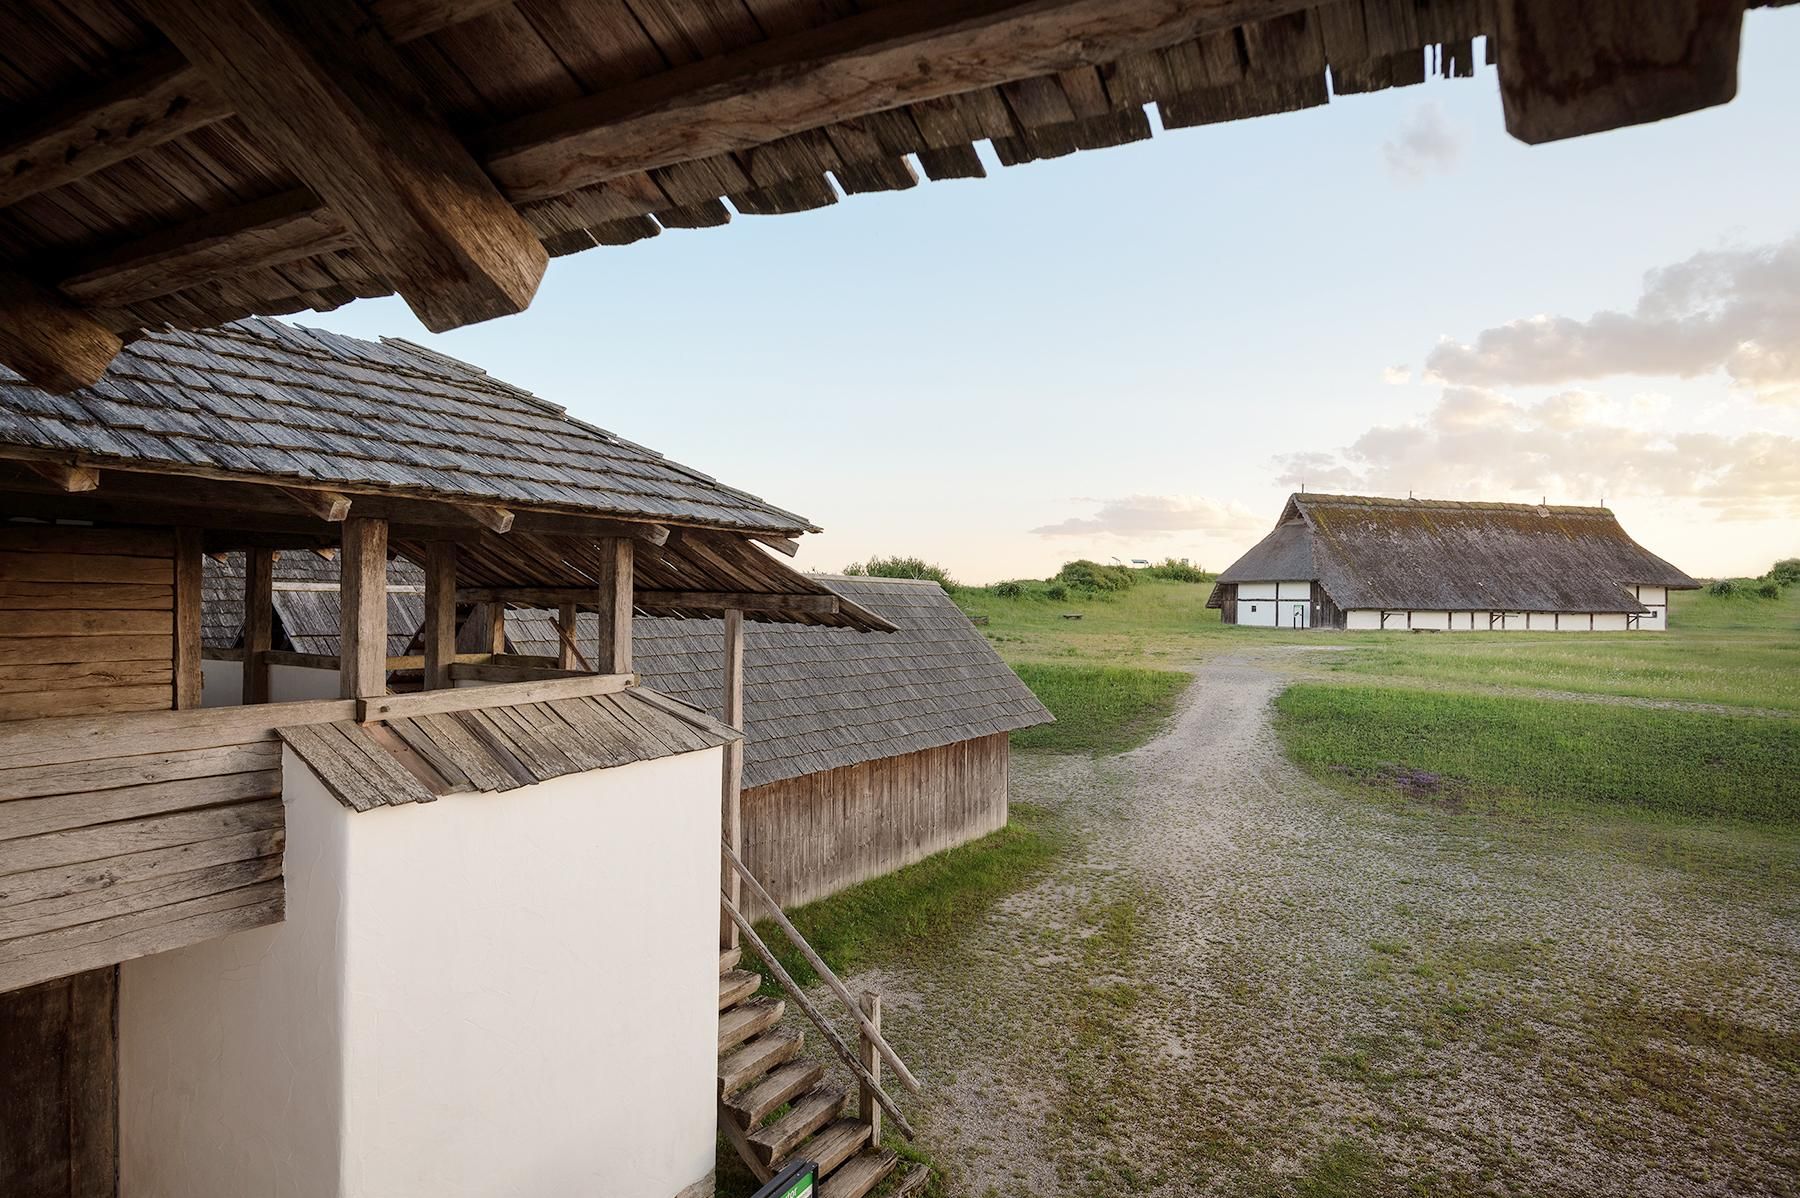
(868, 1029)
(830, 1033)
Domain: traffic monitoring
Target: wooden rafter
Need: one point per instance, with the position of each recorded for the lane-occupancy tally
(49, 341)
(336, 105)
(68, 477)
(333, 507)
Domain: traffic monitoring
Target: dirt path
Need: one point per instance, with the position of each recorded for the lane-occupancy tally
(1239, 982)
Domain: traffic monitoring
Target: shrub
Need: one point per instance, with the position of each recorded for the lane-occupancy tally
(1092, 576)
(1769, 589)
(1056, 592)
(1009, 590)
(1786, 571)
(1178, 569)
(901, 567)
(1723, 587)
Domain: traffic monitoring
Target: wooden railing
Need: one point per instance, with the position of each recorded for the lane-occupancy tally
(875, 1049)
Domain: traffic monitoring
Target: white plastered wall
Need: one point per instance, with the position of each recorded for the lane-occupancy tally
(1274, 604)
(222, 683)
(490, 994)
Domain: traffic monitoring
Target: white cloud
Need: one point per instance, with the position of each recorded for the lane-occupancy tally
(1736, 310)
(1397, 376)
(1576, 446)
(1427, 141)
(1137, 515)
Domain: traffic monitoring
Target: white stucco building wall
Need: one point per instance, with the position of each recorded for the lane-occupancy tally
(1274, 604)
(492, 994)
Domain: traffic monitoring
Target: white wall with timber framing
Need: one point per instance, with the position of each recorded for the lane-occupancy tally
(1367, 619)
(469, 997)
(1275, 604)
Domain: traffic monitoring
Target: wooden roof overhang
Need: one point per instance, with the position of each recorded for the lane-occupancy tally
(520, 555)
(189, 162)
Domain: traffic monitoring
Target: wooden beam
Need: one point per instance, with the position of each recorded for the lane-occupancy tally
(68, 477)
(408, 20)
(786, 546)
(362, 621)
(1571, 69)
(732, 782)
(49, 341)
(878, 59)
(190, 566)
(259, 622)
(337, 106)
(561, 524)
(614, 601)
(440, 614)
(265, 232)
(494, 519)
(809, 605)
(568, 652)
(541, 690)
(330, 506)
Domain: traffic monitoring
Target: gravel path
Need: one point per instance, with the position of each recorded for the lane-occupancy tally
(1239, 982)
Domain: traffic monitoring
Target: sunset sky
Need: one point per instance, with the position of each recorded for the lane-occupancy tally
(1139, 352)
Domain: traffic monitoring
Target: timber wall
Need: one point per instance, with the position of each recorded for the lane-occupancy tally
(811, 836)
(86, 620)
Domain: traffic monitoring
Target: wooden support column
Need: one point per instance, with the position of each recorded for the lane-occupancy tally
(190, 562)
(617, 593)
(732, 823)
(568, 656)
(259, 622)
(440, 614)
(362, 628)
(49, 341)
(868, 1109)
(493, 630)
(334, 103)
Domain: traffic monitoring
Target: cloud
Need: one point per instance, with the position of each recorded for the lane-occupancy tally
(1428, 141)
(1137, 515)
(1396, 376)
(1575, 445)
(1736, 310)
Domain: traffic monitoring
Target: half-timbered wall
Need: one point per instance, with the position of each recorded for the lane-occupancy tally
(86, 620)
(811, 836)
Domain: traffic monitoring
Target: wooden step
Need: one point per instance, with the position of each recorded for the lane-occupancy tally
(911, 1182)
(729, 958)
(811, 1111)
(746, 1019)
(837, 1143)
(736, 985)
(864, 1172)
(756, 1058)
(754, 1104)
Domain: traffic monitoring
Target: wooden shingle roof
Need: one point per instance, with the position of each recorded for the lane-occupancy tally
(170, 163)
(265, 401)
(1370, 551)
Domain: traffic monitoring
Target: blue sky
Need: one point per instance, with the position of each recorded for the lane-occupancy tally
(1133, 344)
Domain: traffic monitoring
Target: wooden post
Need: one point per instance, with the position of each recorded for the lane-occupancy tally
(259, 622)
(190, 559)
(362, 628)
(494, 616)
(566, 656)
(616, 589)
(440, 614)
(867, 1108)
(732, 783)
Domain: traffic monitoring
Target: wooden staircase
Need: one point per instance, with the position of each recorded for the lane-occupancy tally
(775, 1106)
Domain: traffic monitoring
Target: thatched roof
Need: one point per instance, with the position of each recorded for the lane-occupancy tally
(165, 163)
(814, 698)
(269, 402)
(1437, 555)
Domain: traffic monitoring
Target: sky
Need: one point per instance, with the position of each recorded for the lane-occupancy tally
(1139, 352)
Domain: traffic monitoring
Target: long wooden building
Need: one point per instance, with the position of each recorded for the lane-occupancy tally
(862, 754)
(256, 940)
(1372, 563)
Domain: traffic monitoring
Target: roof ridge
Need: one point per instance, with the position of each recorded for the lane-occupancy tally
(1494, 505)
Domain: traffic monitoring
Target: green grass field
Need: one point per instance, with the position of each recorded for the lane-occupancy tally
(1098, 709)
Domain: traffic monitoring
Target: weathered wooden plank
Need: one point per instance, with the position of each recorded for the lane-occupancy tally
(105, 622)
(88, 875)
(91, 596)
(190, 565)
(19, 566)
(470, 756)
(49, 341)
(416, 738)
(721, 601)
(29, 705)
(440, 614)
(90, 843)
(612, 655)
(45, 650)
(467, 698)
(732, 780)
(109, 773)
(64, 676)
(124, 898)
(333, 762)
(93, 1074)
(69, 538)
(51, 813)
(362, 630)
(123, 937)
(259, 622)
(342, 111)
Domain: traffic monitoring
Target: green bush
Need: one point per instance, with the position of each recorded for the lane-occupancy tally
(1092, 576)
(1009, 590)
(1722, 587)
(1056, 592)
(1786, 571)
(1178, 569)
(901, 567)
(1769, 589)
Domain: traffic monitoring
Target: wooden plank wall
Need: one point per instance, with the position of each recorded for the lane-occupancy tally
(59, 1130)
(86, 620)
(131, 834)
(811, 836)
